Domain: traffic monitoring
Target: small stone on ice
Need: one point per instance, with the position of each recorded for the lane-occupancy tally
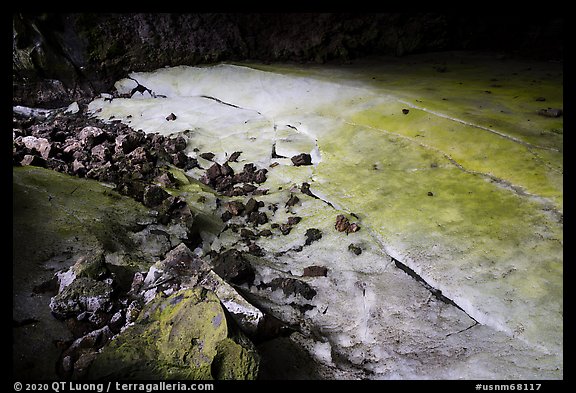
(292, 201)
(234, 156)
(207, 156)
(302, 159)
(344, 225)
(312, 235)
(315, 271)
(355, 249)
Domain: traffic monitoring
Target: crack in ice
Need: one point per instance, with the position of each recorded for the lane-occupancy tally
(496, 132)
(437, 293)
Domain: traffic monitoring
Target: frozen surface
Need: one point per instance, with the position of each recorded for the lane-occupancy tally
(461, 186)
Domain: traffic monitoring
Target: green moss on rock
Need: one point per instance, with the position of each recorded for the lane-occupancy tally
(233, 361)
(183, 336)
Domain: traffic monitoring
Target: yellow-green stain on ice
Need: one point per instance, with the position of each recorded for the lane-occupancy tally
(451, 225)
(537, 171)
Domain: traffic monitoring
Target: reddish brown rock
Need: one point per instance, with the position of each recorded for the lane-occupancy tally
(315, 271)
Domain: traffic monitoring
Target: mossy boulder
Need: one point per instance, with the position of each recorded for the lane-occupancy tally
(183, 336)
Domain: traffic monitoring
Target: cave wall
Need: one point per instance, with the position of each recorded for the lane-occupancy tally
(58, 58)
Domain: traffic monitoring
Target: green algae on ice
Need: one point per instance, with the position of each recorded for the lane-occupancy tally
(473, 149)
(466, 235)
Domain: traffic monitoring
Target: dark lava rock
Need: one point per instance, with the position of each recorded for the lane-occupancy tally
(78, 168)
(154, 195)
(127, 142)
(234, 156)
(243, 177)
(175, 208)
(208, 156)
(134, 189)
(353, 227)
(117, 321)
(138, 156)
(294, 220)
(37, 146)
(344, 225)
(315, 271)
(234, 268)
(214, 172)
(71, 146)
(253, 205)
(182, 161)
(247, 234)
(265, 233)
(354, 248)
(171, 117)
(258, 218)
(101, 153)
(255, 249)
(76, 359)
(292, 201)
(249, 168)
(260, 175)
(33, 160)
(236, 208)
(430, 193)
(166, 179)
(550, 112)
(302, 159)
(155, 139)
(248, 188)
(226, 170)
(92, 136)
(305, 189)
(292, 286)
(405, 111)
(83, 294)
(174, 145)
(104, 172)
(182, 264)
(226, 216)
(285, 229)
(224, 184)
(312, 235)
